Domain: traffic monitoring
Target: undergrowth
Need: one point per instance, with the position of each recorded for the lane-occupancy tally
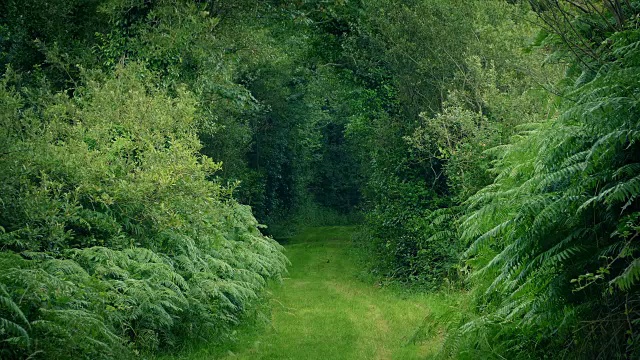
(115, 242)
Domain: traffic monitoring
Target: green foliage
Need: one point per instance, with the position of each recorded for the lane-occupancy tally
(553, 241)
(114, 239)
(444, 122)
(426, 154)
(13, 323)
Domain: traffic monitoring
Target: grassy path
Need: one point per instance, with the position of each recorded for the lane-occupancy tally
(323, 311)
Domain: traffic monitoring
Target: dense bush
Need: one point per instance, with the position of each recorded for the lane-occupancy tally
(438, 106)
(114, 240)
(554, 247)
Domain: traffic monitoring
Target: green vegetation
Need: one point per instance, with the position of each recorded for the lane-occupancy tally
(326, 309)
(485, 150)
(111, 230)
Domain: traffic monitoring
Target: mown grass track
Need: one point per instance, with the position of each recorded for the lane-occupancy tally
(325, 310)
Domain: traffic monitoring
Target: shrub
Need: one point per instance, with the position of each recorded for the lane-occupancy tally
(114, 240)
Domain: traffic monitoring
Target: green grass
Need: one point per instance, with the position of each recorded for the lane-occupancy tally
(325, 309)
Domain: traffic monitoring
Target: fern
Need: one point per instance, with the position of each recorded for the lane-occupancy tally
(13, 327)
(629, 276)
(550, 239)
